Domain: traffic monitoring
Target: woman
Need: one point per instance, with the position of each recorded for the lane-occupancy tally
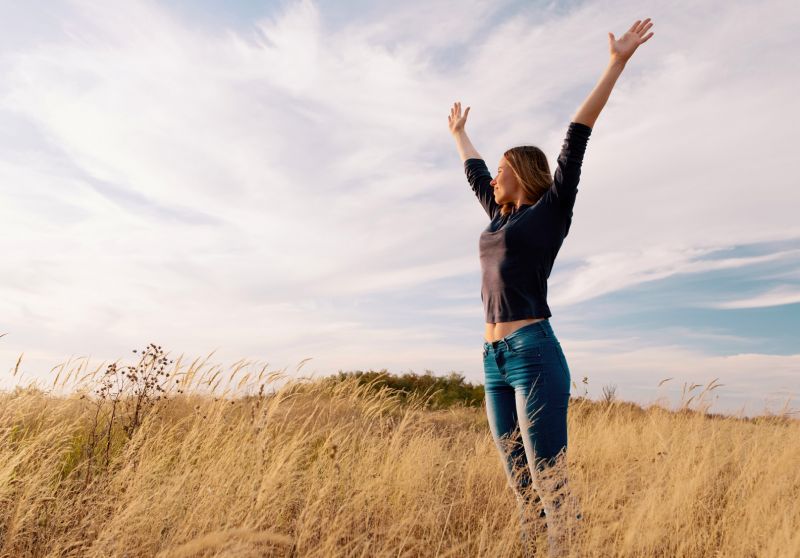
(527, 378)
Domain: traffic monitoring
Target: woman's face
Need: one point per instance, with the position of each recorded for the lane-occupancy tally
(506, 186)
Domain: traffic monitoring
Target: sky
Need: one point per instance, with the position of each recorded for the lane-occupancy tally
(276, 182)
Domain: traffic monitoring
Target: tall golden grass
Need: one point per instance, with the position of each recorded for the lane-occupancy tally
(316, 467)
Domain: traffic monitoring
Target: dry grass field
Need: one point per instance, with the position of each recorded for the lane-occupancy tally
(141, 461)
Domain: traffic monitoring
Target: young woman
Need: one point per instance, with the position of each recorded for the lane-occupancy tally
(527, 378)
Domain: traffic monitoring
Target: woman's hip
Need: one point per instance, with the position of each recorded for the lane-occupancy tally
(527, 359)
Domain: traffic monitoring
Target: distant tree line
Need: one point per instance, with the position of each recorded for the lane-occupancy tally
(441, 391)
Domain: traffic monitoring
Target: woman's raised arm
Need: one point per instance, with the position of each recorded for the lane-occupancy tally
(621, 50)
(456, 123)
(478, 175)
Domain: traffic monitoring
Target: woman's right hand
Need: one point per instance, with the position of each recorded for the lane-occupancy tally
(456, 120)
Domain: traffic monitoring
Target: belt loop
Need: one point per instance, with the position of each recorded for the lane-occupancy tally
(508, 348)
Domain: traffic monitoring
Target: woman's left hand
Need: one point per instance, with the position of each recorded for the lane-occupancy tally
(624, 47)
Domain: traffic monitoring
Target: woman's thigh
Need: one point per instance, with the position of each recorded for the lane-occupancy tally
(501, 409)
(536, 369)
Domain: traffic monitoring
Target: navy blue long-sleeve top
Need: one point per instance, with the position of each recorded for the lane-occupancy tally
(517, 251)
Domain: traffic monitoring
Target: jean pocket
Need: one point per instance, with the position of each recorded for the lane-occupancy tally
(527, 349)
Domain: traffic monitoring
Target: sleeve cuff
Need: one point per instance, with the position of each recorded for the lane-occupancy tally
(580, 128)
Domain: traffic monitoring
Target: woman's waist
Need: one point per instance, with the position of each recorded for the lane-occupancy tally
(496, 331)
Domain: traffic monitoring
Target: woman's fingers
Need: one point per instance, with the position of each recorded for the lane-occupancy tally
(455, 110)
(455, 119)
(643, 30)
(638, 26)
(454, 114)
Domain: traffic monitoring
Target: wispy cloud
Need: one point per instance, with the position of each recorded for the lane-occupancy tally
(636, 368)
(615, 271)
(774, 297)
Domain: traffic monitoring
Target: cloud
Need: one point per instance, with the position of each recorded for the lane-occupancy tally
(778, 296)
(615, 271)
(637, 366)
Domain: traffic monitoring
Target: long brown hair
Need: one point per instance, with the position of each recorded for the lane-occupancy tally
(530, 166)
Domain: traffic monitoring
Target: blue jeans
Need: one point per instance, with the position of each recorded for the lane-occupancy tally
(527, 384)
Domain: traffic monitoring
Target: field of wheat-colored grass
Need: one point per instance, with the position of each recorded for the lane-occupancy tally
(146, 463)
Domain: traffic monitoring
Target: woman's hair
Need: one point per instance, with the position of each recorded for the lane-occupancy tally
(530, 166)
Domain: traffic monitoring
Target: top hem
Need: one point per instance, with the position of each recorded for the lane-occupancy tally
(502, 319)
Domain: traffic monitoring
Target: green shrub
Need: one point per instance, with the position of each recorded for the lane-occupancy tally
(441, 391)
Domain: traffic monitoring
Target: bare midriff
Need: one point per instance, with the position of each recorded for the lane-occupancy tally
(499, 330)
